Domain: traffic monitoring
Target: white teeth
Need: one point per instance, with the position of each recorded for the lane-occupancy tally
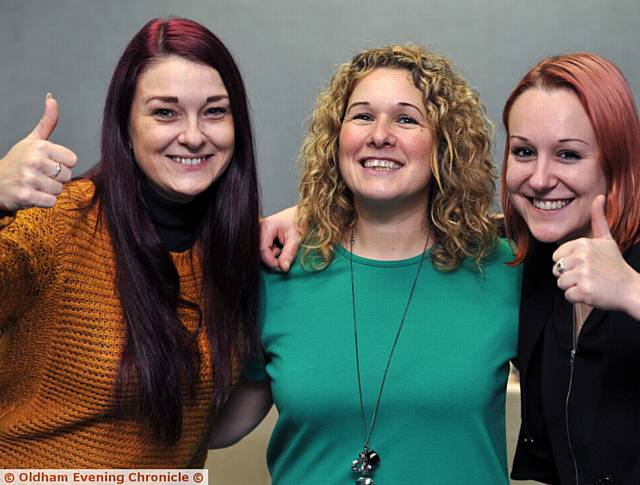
(381, 164)
(188, 161)
(548, 205)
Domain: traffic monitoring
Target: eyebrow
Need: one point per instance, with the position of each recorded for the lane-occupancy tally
(574, 139)
(562, 140)
(410, 105)
(401, 103)
(174, 99)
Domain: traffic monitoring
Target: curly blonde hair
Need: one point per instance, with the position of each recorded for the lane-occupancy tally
(461, 197)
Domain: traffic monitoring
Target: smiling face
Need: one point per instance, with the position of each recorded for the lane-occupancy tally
(386, 141)
(554, 168)
(181, 127)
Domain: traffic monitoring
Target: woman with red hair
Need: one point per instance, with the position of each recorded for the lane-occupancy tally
(571, 198)
(129, 296)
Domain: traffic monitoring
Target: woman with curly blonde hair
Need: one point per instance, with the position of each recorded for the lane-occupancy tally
(461, 165)
(382, 366)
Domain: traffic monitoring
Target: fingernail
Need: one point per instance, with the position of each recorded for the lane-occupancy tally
(48, 96)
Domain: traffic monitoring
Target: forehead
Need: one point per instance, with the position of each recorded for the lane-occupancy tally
(174, 75)
(386, 81)
(555, 110)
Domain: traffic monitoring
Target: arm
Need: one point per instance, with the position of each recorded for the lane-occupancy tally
(279, 230)
(29, 252)
(248, 404)
(31, 175)
(34, 169)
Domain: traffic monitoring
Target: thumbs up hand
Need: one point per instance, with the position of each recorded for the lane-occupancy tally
(32, 173)
(592, 270)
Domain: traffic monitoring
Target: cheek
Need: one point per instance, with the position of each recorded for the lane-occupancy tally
(601, 183)
(134, 136)
(344, 150)
(222, 136)
(421, 172)
(229, 137)
(147, 145)
(347, 142)
(421, 147)
(343, 168)
(151, 138)
(514, 177)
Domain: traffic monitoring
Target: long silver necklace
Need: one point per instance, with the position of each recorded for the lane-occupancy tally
(364, 465)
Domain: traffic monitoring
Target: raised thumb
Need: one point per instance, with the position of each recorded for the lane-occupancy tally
(599, 224)
(48, 122)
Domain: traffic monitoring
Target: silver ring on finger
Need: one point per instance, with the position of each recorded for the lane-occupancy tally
(58, 170)
(560, 267)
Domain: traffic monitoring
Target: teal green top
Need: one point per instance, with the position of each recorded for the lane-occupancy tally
(442, 415)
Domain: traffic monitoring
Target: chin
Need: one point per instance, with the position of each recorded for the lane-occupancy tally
(550, 235)
(544, 238)
(190, 191)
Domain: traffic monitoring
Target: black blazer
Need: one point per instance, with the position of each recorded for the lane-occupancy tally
(614, 453)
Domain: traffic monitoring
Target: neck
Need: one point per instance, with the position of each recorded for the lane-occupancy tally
(175, 222)
(389, 236)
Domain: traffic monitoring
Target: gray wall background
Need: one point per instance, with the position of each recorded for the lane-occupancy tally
(287, 51)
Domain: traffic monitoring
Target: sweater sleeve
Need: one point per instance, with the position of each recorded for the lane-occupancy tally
(27, 257)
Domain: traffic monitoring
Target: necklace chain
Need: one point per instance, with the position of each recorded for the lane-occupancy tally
(367, 434)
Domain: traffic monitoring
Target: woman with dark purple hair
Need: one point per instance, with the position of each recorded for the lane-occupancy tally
(129, 295)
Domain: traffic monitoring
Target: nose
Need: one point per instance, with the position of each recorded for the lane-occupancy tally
(542, 178)
(191, 135)
(381, 134)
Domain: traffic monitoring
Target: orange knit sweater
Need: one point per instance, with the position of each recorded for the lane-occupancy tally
(61, 336)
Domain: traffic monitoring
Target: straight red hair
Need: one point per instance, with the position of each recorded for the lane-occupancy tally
(609, 103)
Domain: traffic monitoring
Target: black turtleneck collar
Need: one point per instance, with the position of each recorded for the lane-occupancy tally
(175, 222)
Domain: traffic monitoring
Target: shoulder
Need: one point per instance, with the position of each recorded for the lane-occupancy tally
(297, 272)
(301, 279)
(49, 224)
(76, 195)
(498, 261)
(503, 252)
(68, 210)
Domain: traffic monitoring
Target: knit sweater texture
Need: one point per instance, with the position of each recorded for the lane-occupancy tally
(61, 338)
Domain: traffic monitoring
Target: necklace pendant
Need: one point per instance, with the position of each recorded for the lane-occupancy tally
(364, 465)
(364, 481)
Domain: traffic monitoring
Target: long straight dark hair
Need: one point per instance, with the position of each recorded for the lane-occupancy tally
(161, 357)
